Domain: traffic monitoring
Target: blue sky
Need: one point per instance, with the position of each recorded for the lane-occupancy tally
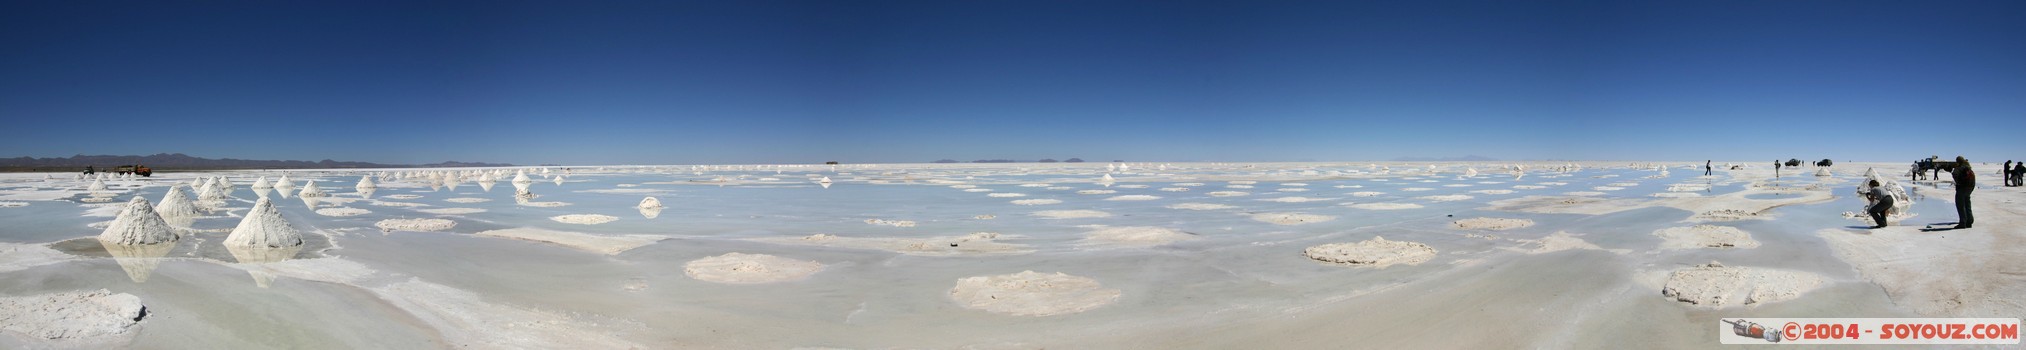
(677, 82)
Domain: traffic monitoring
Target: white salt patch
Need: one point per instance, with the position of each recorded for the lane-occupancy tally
(979, 190)
(13, 204)
(978, 243)
(1584, 193)
(894, 223)
(1239, 186)
(1228, 194)
(342, 212)
(1030, 293)
(1037, 201)
(1367, 194)
(1136, 235)
(467, 200)
(1447, 198)
(1174, 189)
(1292, 190)
(1492, 191)
(1493, 224)
(1417, 189)
(1385, 206)
(397, 204)
(1096, 192)
(741, 268)
(1296, 199)
(1199, 206)
(1006, 195)
(1132, 186)
(584, 219)
(1071, 214)
(423, 225)
(1133, 197)
(545, 204)
(1714, 285)
(1607, 188)
(452, 211)
(402, 196)
(1376, 252)
(1291, 218)
(1705, 236)
(98, 316)
(1528, 187)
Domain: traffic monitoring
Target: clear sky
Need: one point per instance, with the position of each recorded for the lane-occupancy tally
(676, 82)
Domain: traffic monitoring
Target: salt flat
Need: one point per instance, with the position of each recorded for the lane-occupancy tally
(1063, 255)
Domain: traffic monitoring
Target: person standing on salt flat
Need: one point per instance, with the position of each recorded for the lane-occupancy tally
(1706, 167)
(264, 227)
(1966, 181)
(2018, 174)
(138, 224)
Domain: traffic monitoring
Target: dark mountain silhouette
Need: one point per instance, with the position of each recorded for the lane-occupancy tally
(179, 161)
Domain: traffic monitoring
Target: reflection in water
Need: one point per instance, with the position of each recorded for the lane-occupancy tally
(262, 255)
(309, 202)
(139, 260)
(485, 185)
(650, 212)
(366, 193)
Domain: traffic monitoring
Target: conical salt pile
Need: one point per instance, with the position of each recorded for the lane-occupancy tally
(1107, 178)
(650, 202)
(310, 190)
(177, 204)
(521, 177)
(97, 186)
(365, 182)
(263, 227)
(261, 183)
(138, 224)
(559, 180)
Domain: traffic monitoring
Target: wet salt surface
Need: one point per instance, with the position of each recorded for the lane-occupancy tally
(1237, 268)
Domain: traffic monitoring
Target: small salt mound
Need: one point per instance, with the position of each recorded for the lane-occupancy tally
(649, 203)
(894, 223)
(13, 204)
(97, 186)
(452, 211)
(1385, 206)
(1367, 194)
(1071, 214)
(1136, 235)
(1036, 201)
(1133, 197)
(740, 268)
(1823, 172)
(1291, 218)
(975, 190)
(1561, 241)
(1417, 189)
(365, 182)
(263, 227)
(467, 200)
(177, 204)
(138, 224)
(92, 316)
(1296, 199)
(1492, 191)
(1705, 236)
(1228, 194)
(1493, 224)
(1174, 189)
(1133, 186)
(1006, 195)
(1376, 252)
(1715, 285)
(1607, 188)
(261, 183)
(1096, 192)
(310, 190)
(422, 225)
(1199, 206)
(1031, 293)
(584, 219)
(341, 212)
(1447, 198)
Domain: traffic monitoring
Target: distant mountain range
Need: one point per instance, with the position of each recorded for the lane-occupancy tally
(179, 161)
(1468, 158)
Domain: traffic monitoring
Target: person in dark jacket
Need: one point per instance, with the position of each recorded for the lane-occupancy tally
(1966, 181)
(1706, 168)
(1881, 202)
(2018, 174)
(2008, 174)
